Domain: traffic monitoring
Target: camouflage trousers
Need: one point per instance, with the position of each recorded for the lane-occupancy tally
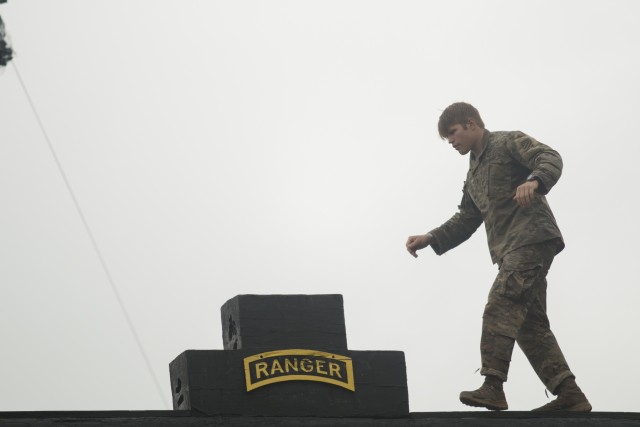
(516, 311)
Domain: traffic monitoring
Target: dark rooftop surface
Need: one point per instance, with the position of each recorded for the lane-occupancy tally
(416, 419)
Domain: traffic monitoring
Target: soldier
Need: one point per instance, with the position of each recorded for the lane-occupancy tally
(509, 175)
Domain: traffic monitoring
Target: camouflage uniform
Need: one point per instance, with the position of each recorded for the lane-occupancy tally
(522, 241)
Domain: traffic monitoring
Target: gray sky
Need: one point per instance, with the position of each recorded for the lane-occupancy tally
(223, 148)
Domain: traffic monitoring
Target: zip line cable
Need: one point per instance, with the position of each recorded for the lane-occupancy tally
(92, 239)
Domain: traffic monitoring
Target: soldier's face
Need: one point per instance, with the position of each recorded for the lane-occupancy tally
(463, 138)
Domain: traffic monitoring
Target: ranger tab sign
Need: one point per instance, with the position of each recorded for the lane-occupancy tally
(298, 365)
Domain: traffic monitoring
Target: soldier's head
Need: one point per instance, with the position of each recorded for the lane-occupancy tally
(460, 124)
(458, 113)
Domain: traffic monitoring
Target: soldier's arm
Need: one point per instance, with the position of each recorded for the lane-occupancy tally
(543, 161)
(457, 229)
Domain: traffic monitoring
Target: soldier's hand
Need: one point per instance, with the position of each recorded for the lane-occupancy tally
(415, 243)
(525, 193)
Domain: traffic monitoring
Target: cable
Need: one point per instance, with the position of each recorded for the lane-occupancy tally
(92, 238)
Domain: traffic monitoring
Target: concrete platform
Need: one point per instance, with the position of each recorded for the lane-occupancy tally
(417, 419)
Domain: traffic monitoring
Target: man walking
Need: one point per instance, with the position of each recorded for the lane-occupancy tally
(509, 175)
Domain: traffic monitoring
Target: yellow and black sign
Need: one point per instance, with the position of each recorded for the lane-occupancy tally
(306, 365)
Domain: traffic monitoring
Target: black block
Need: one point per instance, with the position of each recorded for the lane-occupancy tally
(213, 382)
(283, 321)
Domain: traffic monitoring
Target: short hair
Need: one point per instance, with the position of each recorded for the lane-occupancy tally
(457, 113)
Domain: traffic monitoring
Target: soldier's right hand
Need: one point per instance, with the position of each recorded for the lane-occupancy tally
(415, 243)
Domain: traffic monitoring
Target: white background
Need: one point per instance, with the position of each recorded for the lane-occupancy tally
(223, 148)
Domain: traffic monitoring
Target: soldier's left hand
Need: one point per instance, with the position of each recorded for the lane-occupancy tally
(525, 193)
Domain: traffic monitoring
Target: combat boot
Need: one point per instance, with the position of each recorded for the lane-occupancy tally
(490, 395)
(570, 398)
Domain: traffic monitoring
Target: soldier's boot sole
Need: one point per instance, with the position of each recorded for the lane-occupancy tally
(469, 398)
(581, 406)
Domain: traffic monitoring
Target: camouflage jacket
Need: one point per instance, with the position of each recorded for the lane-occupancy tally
(506, 160)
